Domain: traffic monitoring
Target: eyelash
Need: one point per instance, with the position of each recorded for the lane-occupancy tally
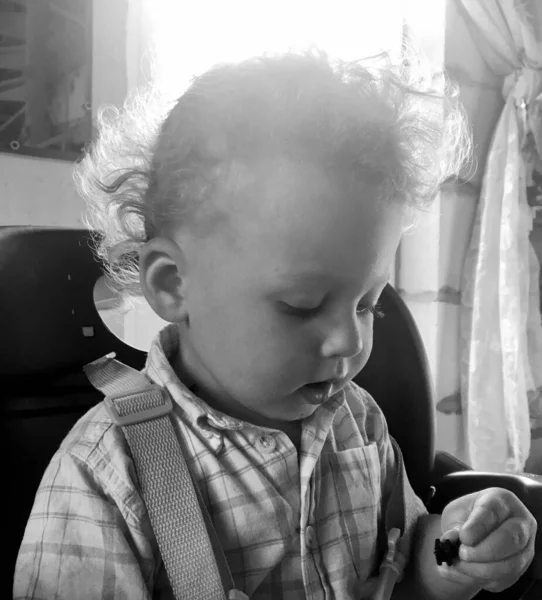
(375, 310)
(306, 313)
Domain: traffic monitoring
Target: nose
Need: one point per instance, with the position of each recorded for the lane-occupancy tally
(343, 339)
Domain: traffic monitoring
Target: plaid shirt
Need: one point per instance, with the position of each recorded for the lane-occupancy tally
(291, 526)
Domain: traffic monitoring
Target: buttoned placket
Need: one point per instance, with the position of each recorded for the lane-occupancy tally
(309, 469)
(266, 443)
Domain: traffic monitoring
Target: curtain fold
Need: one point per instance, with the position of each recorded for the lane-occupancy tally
(501, 329)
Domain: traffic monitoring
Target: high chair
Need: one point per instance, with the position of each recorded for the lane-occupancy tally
(50, 328)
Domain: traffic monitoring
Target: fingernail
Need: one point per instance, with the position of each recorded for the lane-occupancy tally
(451, 534)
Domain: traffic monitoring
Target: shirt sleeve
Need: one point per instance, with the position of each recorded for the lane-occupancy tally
(84, 538)
(377, 431)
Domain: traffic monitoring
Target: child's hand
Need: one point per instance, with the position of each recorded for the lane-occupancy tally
(497, 535)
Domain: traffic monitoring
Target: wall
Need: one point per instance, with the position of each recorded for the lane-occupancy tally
(38, 191)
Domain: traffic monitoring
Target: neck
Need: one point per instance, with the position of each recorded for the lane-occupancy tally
(187, 368)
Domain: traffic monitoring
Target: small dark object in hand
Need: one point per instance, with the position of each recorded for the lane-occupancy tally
(446, 551)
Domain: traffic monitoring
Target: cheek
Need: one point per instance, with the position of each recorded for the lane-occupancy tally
(367, 348)
(225, 322)
(361, 359)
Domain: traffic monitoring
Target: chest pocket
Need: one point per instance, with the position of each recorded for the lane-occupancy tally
(355, 475)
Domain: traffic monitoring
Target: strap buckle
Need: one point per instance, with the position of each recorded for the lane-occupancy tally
(163, 406)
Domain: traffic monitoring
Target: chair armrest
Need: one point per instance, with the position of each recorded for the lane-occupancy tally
(527, 487)
(446, 463)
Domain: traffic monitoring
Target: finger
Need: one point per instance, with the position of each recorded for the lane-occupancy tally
(509, 569)
(513, 536)
(463, 581)
(499, 586)
(451, 535)
(471, 586)
(490, 509)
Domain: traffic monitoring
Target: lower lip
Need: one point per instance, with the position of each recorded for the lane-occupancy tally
(316, 394)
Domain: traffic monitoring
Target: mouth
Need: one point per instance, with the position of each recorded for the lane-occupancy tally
(318, 392)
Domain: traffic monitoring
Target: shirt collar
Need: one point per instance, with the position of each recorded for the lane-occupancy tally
(159, 369)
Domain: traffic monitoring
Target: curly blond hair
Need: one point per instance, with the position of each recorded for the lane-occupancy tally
(155, 163)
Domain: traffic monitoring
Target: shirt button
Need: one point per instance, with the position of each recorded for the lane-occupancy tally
(267, 443)
(310, 538)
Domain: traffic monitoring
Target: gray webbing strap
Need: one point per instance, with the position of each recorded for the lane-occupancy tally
(188, 543)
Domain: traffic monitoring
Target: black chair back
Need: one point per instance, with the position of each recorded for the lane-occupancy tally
(397, 376)
(49, 329)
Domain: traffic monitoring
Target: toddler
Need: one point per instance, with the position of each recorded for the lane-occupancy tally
(260, 217)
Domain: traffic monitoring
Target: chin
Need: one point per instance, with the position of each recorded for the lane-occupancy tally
(306, 414)
(290, 416)
(289, 409)
(303, 413)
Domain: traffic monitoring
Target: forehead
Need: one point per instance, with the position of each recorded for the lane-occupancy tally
(295, 221)
(297, 228)
(288, 198)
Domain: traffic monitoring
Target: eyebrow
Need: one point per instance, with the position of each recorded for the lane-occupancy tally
(300, 278)
(309, 278)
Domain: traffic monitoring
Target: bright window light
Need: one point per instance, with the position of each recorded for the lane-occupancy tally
(189, 37)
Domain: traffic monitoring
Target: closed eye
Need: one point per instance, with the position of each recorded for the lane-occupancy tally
(297, 311)
(307, 313)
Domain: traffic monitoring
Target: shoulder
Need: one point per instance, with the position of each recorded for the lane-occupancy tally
(93, 436)
(95, 451)
(89, 510)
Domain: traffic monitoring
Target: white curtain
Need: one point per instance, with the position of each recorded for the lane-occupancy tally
(501, 337)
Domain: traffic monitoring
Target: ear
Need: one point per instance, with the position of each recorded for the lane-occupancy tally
(162, 274)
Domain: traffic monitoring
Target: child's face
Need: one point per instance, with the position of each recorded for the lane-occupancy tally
(281, 296)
